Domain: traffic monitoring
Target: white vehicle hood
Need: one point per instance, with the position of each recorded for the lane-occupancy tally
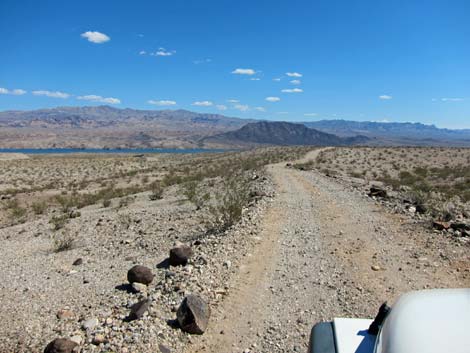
(351, 336)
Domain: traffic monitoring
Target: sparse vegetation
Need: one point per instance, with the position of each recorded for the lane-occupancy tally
(229, 201)
(63, 241)
(432, 177)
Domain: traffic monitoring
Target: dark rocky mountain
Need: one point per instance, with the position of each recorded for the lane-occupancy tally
(283, 133)
(394, 133)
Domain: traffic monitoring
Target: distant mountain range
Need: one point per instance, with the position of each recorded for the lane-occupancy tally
(395, 133)
(108, 127)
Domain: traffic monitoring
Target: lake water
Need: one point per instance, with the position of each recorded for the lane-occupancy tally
(98, 150)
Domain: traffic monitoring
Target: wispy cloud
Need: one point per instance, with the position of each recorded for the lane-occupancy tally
(203, 104)
(385, 97)
(99, 99)
(277, 79)
(142, 52)
(241, 107)
(51, 94)
(272, 99)
(293, 74)
(95, 37)
(161, 103)
(295, 82)
(260, 109)
(310, 114)
(244, 72)
(202, 61)
(292, 90)
(455, 99)
(163, 52)
(14, 92)
(221, 107)
(255, 79)
(233, 101)
(282, 113)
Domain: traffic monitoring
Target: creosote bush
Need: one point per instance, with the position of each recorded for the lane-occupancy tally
(63, 241)
(228, 203)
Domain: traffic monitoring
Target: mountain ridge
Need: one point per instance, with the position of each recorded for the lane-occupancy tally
(105, 126)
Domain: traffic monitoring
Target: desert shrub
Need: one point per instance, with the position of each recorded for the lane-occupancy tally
(59, 222)
(310, 165)
(125, 201)
(67, 202)
(194, 193)
(15, 211)
(106, 203)
(63, 241)
(39, 207)
(229, 202)
(156, 191)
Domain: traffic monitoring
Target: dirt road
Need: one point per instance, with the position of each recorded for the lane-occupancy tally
(325, 251)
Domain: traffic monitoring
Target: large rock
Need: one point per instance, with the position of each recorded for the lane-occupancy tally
(180, 255)
(377, 192)
(60, 345)
(140, 274)
(193, 315)
(138, 310)
(440, 225)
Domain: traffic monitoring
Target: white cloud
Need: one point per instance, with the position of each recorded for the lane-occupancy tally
(162, 102)
(244, 72)
(202, 61)
(296, 82)
(310, 114)
(241, 107)
(385, 97)
(282, 113)
(233, 101)
(51, 94)
(273, 99)
(142, 52)
(452, 99)
(277, 79)
(221, 107)
(203, 104)
(292, 90)
(15, 92)
(95, 98)
(255, 79)
(95, 37)
(260, 109)
(293, 74)
(163, 52)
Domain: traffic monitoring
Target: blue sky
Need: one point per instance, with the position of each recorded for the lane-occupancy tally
(281, 60)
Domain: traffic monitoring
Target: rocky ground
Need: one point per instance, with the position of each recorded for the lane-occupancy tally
(327, 250)
(309, 248)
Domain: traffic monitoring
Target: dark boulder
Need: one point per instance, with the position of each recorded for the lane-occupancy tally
(193, 315)
(140, 274)
(440, 225)
(60, 345)
(377, 192)
(180, 255)
(138, 310)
